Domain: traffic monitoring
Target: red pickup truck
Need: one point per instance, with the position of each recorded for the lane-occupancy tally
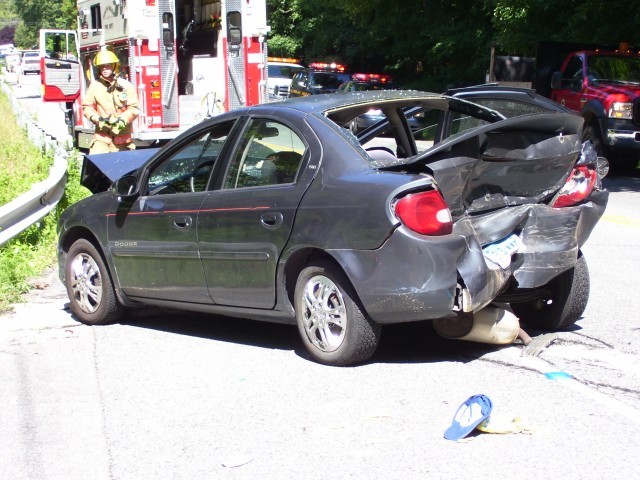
(604, 87)
(601, 83)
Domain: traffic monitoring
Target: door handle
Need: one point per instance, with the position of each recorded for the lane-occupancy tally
(271, 220)
(182, 222)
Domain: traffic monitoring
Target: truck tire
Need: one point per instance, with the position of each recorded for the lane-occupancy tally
(593, 133)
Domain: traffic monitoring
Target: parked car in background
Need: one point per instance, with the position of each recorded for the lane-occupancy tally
(280, 72)
(12, 61)
(278, 212)
(433, 126)
(361, 82)
(318, 78)
(30, 62)
(509, 101)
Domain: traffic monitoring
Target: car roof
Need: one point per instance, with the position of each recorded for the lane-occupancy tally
(505, 92)
(334, 101)
(342, 107)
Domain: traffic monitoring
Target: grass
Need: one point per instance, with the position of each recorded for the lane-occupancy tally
(21, 165)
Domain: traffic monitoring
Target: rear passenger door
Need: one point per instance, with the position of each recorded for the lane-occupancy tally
(244, 224)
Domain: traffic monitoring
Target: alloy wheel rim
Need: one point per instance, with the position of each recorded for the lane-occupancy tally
(86, 283)
(325, 314)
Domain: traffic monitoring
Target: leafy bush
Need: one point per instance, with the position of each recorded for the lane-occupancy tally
(21, 165)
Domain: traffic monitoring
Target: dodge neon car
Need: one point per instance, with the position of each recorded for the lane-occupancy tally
(278, 212)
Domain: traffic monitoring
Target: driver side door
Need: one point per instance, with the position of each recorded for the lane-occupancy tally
(153, 239)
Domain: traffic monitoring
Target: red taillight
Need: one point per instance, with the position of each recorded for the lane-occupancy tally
(577, 187)
(425, 213)
(150, 3)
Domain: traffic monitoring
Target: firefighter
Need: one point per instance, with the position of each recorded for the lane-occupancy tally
(111, 104)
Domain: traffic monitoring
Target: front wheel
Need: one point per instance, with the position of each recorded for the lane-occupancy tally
(334, 329)
(593, 134)
(563, 305)
(91, 294)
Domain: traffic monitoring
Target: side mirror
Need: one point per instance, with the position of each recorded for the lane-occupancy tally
(167, 30)
(234, 32)
(556, 80)
(127, 186)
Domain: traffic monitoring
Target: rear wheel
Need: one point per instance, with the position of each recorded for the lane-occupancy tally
(91, 294)
(334, 329)
(564, 305)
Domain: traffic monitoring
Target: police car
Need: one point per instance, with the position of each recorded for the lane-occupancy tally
(318, 78)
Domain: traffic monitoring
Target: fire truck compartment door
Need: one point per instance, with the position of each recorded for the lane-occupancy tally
(60, 69)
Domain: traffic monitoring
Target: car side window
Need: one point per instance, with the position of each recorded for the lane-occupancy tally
(188, 170)
(269, 153)
(509, 108)
(572, 75)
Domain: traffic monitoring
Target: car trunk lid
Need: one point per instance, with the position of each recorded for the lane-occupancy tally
(517, 161)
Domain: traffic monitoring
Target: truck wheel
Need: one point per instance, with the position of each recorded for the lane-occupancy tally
(70, 119)
(592, 133)
(91, 294)
(334, 329)
(564, 305)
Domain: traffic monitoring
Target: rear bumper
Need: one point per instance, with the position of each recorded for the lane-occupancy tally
(413, 277)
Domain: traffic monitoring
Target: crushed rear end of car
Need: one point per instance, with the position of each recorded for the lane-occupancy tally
(523, 196)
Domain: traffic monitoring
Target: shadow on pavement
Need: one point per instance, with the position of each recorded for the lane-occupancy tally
(403, 343)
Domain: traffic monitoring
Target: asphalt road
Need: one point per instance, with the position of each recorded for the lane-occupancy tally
(168, 395)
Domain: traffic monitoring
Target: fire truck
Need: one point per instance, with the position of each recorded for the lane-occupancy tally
(187, 59)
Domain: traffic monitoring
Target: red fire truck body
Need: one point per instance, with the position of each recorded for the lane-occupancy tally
(187, 59)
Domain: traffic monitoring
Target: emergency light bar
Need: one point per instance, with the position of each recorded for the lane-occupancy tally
(282, 60)
(371, 77)
(334, 67)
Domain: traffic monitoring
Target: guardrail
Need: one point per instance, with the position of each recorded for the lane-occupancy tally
(29, 208)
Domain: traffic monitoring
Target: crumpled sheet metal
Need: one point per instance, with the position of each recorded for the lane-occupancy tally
(551, 240)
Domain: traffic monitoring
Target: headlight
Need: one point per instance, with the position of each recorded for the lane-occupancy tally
(620, 110)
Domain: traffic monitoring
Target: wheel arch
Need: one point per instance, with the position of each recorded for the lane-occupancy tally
(76, 233)
(296, 262)
(595, 115)
(81, 232)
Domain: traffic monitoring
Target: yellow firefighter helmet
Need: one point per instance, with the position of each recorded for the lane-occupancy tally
(105, 57)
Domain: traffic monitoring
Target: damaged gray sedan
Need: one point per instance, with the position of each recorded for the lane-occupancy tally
(279, 213)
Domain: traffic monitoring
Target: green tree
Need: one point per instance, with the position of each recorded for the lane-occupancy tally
(37, 14)
(285, 20)
(520, 24)
(426, 44)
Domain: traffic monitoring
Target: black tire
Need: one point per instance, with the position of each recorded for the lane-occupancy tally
(70, 119)
(89, 286)
(593, 133)
(333, 327)
(565, 305)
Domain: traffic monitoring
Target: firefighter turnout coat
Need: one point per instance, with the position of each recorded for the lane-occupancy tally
(110, 100)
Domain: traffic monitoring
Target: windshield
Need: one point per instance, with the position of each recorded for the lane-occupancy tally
(329, 80)
(614, 69)
(283, 71)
